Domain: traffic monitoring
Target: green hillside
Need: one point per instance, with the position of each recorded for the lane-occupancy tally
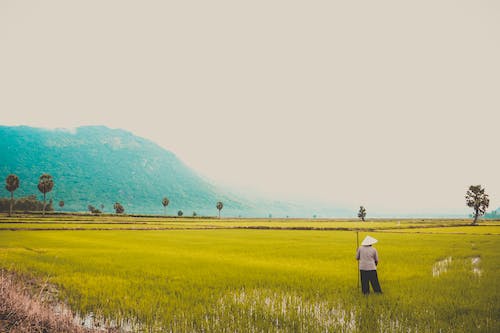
(97, 165)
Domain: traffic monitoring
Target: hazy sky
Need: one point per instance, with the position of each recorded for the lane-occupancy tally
(394, 105)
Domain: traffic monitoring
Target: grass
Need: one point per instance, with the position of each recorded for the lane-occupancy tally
(230, 280)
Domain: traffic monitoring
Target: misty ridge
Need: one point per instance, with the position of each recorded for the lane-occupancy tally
(95, 166)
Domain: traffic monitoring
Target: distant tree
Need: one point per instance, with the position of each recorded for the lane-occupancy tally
(219, 206)
(93, 210)
(180, 213)
(11, 184)
(102, 207)
(61, 204)
(491, 215)
(118, 208)
(165, 203)
(45, 185)
(477, 199)
(194, 214)
(362, 213)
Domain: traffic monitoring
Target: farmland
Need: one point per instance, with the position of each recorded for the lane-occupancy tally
(184, 275)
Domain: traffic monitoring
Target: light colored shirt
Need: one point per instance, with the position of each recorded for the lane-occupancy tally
(368, 257)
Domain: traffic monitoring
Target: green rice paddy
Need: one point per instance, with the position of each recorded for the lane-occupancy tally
(198, 275)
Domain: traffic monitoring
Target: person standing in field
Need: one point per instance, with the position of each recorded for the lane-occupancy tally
(367, 257)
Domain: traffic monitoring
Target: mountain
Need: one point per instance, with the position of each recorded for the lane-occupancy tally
(96, 165)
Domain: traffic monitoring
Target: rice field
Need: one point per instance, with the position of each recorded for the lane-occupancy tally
(64, 221)
(199, 275)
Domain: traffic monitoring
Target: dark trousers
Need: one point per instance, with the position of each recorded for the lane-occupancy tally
(368, 277)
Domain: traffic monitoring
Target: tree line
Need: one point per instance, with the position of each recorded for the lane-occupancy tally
(45, 185)
(475, 198)
(28, 203)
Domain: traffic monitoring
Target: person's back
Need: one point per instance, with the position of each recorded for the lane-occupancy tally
(368, 258)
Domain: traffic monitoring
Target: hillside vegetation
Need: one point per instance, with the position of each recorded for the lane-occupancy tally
(97, 165)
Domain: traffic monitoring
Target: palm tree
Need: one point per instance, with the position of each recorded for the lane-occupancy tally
(165, 203)
(11, 184)
(219, 206)
(61, 204)
(45, 185)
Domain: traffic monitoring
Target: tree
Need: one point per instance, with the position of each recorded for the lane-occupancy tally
(180, 213)
(45, 185)
(118, 208)
(362, 213)
(11, 184)
(61, 204)
(93, 210)
(219, 206)
(477, 199)
(165, 203)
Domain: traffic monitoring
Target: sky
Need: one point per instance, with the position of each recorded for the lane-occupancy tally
(393, 105)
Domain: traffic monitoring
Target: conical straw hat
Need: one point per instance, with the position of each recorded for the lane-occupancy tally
(368, 241)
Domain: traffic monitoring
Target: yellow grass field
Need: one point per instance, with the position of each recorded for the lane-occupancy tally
(194, 275)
